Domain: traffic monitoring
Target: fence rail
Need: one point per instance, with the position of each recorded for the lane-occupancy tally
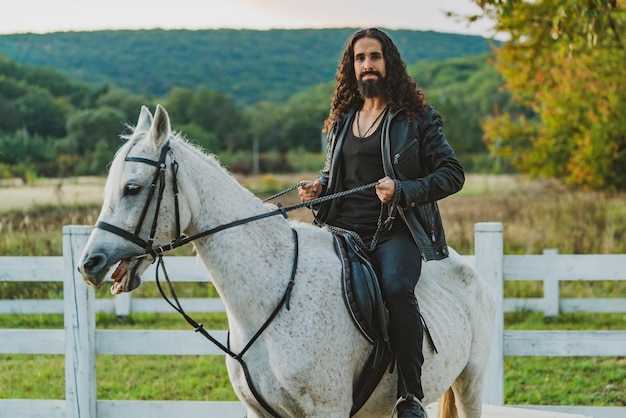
(80, 341)
(550, 268)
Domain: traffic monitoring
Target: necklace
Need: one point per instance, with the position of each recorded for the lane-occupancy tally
(358, 128)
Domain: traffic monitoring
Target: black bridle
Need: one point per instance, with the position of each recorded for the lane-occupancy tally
(158, 179)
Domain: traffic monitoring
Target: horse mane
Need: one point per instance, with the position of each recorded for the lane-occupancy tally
(198, 150)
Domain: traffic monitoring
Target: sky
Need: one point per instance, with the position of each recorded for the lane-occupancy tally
(42, 16)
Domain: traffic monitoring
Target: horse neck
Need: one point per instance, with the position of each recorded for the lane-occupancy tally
(249, 264)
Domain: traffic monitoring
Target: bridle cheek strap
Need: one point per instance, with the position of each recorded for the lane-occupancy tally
(159, 178)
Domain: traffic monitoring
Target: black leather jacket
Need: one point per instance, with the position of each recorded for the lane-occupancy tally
(419, 156)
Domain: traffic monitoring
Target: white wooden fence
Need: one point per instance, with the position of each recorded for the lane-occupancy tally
(80, 342)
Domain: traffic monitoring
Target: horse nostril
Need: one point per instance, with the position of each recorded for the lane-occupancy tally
(94, 263)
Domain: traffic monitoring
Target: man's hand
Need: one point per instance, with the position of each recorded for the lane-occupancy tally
(310, 190)
(385, 190)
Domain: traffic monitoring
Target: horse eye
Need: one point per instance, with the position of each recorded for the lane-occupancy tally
(132, 189)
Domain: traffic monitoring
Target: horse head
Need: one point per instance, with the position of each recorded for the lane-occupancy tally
(141, 212)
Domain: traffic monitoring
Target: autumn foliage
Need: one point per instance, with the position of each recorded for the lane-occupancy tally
(565, 62)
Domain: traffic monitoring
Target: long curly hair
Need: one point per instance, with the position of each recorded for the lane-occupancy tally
(402, 91)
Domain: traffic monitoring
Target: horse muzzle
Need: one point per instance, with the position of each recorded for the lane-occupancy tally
(126, 276)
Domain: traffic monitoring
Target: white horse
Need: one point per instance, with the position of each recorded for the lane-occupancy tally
(305, 362)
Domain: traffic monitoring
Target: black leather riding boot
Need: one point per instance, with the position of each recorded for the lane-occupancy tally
(409, 407)
(406, 341)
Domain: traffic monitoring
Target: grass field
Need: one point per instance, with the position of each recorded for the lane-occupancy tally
(536, 215)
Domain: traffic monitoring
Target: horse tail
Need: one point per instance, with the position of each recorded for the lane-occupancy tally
(447, 407)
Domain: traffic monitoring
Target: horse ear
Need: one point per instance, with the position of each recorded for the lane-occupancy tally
(144, 121)
(161, 129)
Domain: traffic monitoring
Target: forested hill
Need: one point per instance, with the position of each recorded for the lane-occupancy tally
(248, 66)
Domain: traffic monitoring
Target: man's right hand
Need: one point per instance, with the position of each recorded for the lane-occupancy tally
(310, 190)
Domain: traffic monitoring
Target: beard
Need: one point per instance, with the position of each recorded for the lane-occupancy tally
(371, 88)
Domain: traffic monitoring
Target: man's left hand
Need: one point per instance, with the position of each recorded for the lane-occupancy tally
(385, 190)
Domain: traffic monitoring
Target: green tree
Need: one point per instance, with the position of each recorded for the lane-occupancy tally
(565, 61)
(178, 104)
(129, 104)
(303, 117)
(214, 112)
(57, 84)
(41, 114)
(198, 136)
(263, 120)
(10, 120)
(11, 89)
(101, 157)
(296, 124)
(87, 127)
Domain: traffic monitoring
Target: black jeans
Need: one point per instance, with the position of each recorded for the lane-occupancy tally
(398, 264)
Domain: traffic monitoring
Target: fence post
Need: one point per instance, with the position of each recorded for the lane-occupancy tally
(489, 253)
(550, 291)
(122, 304)
(80, 328)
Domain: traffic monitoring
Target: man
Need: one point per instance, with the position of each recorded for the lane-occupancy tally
(380, 128)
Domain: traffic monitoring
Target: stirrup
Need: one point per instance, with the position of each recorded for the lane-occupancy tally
(408, 398)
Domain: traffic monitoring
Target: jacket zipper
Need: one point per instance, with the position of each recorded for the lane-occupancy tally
(397, 155)
(432, 228)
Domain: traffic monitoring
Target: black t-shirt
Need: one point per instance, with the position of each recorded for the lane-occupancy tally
(361, 163)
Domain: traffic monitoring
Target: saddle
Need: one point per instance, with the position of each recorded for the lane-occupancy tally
(363, 298)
